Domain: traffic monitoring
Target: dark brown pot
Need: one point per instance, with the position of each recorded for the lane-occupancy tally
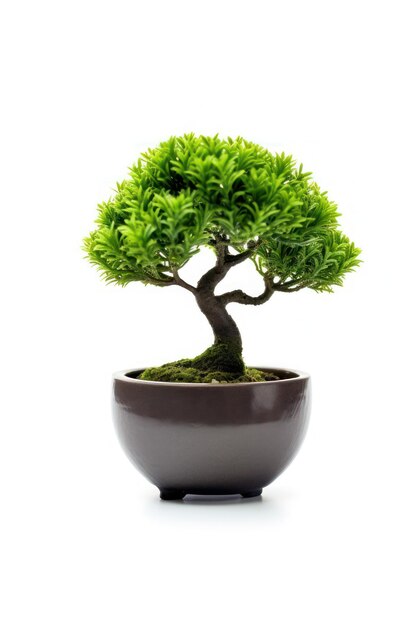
(211, 438)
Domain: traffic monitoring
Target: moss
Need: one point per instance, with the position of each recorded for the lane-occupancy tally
(220, 356)
(177, 373)
(219, 363)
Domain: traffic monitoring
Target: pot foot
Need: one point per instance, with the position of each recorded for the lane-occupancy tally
(251, 494)
(171, 494)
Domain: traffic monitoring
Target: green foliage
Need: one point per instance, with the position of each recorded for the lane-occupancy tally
(195, 191)
(319, 263)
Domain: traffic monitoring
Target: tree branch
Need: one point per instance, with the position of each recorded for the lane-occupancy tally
(241, 297)
(159, 282)
(174, 280)
(290, 286)
(224, 263)
(211, 279)
(222, 251)
(235, 259)
(182, 283)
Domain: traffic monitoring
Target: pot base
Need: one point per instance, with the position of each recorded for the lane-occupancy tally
(251, 494)
(177, 494)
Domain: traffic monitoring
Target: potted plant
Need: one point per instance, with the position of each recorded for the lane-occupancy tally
(210, 424)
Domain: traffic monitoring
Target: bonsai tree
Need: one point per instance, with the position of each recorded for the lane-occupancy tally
(245, 204)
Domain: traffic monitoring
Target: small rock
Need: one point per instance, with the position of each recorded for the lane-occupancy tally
(213, 380)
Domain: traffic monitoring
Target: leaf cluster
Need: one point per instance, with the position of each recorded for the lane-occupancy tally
(194, 191)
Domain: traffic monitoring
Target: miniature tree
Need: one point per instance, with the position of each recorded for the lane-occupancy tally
(242, 202)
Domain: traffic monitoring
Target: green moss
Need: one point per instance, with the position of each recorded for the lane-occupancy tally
(220, 356)
(219, 363)
(177, 373)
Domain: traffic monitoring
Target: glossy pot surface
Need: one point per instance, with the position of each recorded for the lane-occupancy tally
(211, 438)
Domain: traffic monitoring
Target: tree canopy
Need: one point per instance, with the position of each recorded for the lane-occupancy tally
(194, 191)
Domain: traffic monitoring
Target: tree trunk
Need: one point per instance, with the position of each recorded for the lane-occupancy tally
(223, 325)
(225, 355)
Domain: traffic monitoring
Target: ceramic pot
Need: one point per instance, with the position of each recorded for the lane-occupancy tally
(192, 438)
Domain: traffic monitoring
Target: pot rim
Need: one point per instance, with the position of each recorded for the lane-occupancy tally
(123, 376)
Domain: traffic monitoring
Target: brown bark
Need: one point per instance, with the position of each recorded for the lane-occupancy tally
(213, 307)
(224, 327)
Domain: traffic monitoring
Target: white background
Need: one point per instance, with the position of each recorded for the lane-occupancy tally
(86, 87)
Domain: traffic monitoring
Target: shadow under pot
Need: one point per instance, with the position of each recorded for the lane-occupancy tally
(211, 439)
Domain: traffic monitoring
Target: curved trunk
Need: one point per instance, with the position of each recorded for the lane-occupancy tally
(226, 353)
(224, 327)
